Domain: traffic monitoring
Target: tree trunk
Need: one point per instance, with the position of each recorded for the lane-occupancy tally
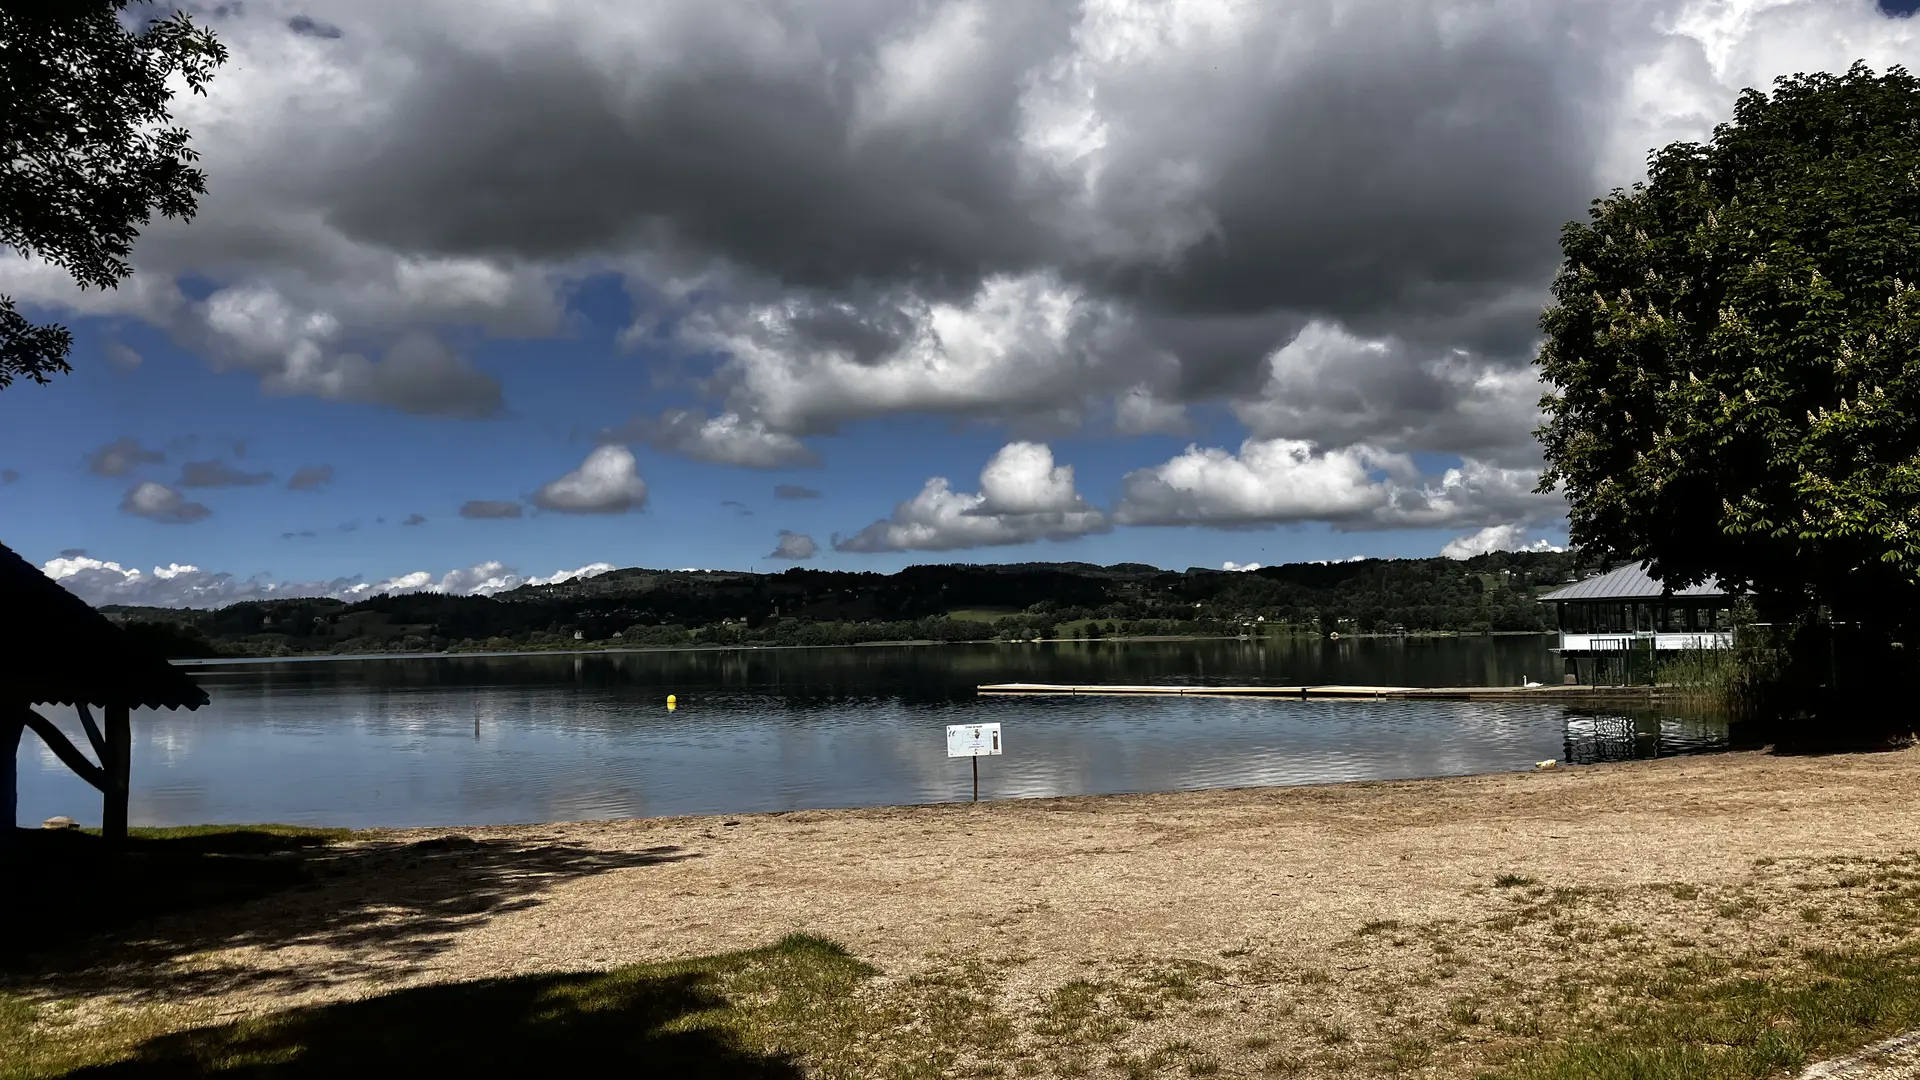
(113, 823)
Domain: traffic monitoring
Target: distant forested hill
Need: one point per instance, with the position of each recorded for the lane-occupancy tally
(945, 602)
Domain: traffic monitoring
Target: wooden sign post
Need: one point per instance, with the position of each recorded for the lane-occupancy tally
(973, 741)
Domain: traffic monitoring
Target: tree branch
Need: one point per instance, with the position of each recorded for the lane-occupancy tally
(93, 732)
(56, 741)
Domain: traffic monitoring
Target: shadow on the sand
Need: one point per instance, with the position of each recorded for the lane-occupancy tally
(119, 921)
(632, 1022)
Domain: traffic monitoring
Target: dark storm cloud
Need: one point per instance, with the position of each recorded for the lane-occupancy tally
(865, 332)
(1021, 212)
(414, 519)
(216, 473)
(420, 375)
(310, 478)
(1402, 166)
(722, 153)
(1402, 173)
(158, 502)
(122, 456)
(307, 26)
(1428, 180)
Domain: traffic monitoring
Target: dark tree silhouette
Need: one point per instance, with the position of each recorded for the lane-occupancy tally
(88, 153)
(1732, 354)
(1733, 357)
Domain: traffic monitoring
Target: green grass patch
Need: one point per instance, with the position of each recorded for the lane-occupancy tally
(105, 888)
(785, 1011)
(982, 615)
(1708, 1021)
(42, 1041)
(1465, 1012)
(231, 839)
(1330, 1034)
(1513, 881)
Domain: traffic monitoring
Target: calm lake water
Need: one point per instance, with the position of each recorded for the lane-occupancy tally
(485, 740)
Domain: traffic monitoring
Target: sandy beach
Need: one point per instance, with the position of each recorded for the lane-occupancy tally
(1329, 920)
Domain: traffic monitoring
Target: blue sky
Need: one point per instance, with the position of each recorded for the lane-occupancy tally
(1265, 293)
(389, 465)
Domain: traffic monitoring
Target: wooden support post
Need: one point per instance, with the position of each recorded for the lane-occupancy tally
(12, 723)
(976, 778)
(118, 766)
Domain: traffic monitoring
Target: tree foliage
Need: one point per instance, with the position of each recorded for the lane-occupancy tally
(641, 607)
(1730, 355)
(88, 153)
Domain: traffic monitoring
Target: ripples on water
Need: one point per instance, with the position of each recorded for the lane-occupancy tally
(438, 741)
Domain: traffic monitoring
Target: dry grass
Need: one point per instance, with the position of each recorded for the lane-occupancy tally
(1647, 920)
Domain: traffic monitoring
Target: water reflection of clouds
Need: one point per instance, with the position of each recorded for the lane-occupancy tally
(395, 743)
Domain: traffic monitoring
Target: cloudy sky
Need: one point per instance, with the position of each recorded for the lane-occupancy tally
(484, 292)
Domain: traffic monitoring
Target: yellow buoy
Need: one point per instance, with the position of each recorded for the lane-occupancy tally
(672, 703)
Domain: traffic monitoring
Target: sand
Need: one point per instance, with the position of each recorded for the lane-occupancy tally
(1044, 891)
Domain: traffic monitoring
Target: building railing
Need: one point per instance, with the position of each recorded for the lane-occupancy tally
(1662, 642)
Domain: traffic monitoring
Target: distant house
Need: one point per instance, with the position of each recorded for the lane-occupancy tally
(1609, 619)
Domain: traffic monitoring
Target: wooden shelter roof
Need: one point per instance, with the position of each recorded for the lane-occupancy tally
(54, 649)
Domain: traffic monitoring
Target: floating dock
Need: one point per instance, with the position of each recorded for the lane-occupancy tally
(1449, 693)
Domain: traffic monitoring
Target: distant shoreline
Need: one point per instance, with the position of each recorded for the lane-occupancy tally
(641, 649)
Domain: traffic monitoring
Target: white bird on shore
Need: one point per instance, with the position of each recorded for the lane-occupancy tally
(1528, 684)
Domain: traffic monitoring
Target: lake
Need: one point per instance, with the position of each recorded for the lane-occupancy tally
(542, 737)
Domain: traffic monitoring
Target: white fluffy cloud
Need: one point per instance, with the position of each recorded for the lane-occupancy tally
(1023, 497)
(1021, 478)
(1332, 387)
(1338, 217)
(1273, 481)
(1473, 493)
(158, 502)
(608, 482)
(1269, 480)
(727, 439)
(805, 366)
(177, 585)
(793, 545)
(1495, 538)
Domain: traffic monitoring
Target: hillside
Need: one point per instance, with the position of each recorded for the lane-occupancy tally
(947, 602)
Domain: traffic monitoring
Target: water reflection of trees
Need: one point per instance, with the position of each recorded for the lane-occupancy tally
(927, 673)
(1594, 738)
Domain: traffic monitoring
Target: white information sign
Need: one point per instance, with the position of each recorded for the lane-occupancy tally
(973, 740)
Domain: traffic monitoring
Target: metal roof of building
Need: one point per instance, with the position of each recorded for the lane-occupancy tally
(1630, 582)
